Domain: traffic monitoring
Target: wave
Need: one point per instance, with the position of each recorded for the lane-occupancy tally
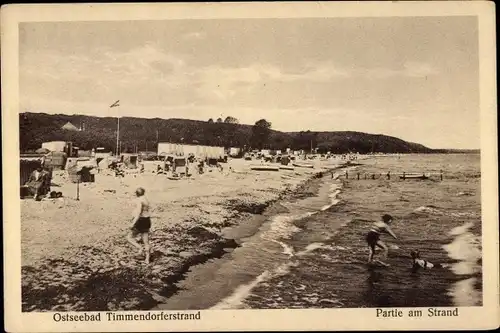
(464, 293)
(429, 210)
(281, 228)
(433, 210)
(287, 249)
(466, 249)
(461, 229)
(335, 190)
(235, 300)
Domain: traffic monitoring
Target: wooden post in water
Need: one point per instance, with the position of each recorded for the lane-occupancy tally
(404, 175)
(388, 175)
(346, 175)
(365, 176)
(441, 174)
(373, 176)
(358, 175)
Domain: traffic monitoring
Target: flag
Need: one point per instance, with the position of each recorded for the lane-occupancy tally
(117, 103)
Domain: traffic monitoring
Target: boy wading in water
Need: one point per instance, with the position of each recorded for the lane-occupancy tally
(373, 237)
(141, 223)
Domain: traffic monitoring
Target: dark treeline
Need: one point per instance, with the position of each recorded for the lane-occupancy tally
(144, 134)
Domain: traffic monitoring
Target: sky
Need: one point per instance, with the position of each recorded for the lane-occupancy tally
(416, 78)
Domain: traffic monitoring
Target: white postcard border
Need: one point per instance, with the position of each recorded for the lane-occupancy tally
(226, 320)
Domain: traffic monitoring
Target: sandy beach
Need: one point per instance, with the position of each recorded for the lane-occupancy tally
(74, 254)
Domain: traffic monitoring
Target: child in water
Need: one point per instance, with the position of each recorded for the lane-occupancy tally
(419, 262)
(373, 236)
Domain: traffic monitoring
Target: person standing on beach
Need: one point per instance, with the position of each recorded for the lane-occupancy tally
(373, 236)
(141, 223)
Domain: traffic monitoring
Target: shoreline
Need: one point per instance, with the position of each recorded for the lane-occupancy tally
(242, 268)
(233, 236)
(104, 277)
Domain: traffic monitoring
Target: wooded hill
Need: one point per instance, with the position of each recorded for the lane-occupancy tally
(144, 134)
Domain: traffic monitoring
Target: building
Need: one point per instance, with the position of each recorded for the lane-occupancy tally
(130, 160)
(234, 151)
(61, 146)
(54, 145)
(167, 148)
(265, 152)
(101, 153)
(69, 127)
(55, 160)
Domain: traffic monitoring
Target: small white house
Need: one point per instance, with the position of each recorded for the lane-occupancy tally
(234, 151)
(54, 145)
(70, 127)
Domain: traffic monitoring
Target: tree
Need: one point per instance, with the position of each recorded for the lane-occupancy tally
(312, 138)
(231, 120)
(261, 132)
(305, 140)
(219, 120)
(210, 121)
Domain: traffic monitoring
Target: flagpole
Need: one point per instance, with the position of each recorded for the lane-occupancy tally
(117, 127)
(117, 135)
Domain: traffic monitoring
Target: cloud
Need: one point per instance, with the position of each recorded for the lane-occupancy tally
(144, 63)
(194, 35)
(327, 73)
(140, 72)
(222, 83)
(410, 69)
(418, 69)
(314, 73)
